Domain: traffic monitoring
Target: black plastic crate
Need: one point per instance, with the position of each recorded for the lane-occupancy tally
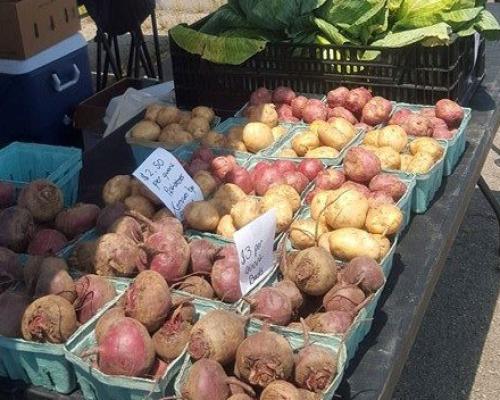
(414, 74)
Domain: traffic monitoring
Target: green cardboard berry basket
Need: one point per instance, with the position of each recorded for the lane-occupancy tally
(456, 145)
(45, 364)
(296, 341)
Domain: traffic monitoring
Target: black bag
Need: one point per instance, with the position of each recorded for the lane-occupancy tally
(117, 17)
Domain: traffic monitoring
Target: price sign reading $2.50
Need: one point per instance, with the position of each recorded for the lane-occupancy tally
(254, 243)
(162, 173)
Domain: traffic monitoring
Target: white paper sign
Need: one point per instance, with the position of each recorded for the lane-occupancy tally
(255, 243)
(162, 173)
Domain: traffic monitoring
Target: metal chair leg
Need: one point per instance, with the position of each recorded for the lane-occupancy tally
(118, 58)
(485, 189)
(98, 39)
(157, 45)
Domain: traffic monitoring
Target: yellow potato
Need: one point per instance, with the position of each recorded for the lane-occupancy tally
(393, 136)
(213, 139)
(168, 115)
(306, 232)
(333, 137)
(318, 205)
(303, 142)
(278, 132)
(284, 212)
(202, 216)
(146, 130)
(140, 204)
(322, 152)
(343, 126)
(287, 153)
(235, 133)
(226, 197)
(324, 241)
(236, 145)
(264, 113)
(369, 147)
(427, 145)
(245, 211)
(389, 158)
(226, 227)
(317, 125)
(198, 127)
(117, 189)
(347, 208)
(203, 112)
(184, 119)
(385, 219)
(152, 112)
(371, 138)
(206, 182)
(384, 244)
(421, 163)
(348, 243)
(287, 192)
(257, 136)
(405, 161)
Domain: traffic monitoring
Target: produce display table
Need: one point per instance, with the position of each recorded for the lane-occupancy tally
(420, 258)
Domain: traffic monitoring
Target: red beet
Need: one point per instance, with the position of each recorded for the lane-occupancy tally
(364, 272)
(53, 278)
(203, 255)
(47, 242)
(12, 307)
(283, 94)
(43, 199)
(197, 286)
(126, 349)
(343, 297)
(334, 322)
(129, 227)
(240, 177)
(109, 215)
(7, 195)
(107, 320)
(163, 223)
(311, 167)
(290, 290)
(11, 270)
(330, 179)
(272, 303)
(261, 95)
(337, 97)
(206, 380)
(297, 180)
(225, 275)
(92, 293)
(77, 219)
(17, 228)
(298, 105)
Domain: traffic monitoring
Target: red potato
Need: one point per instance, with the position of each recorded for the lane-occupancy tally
(17, 228)
(259, 167)
(43, 199)
(126, 349)
(314, 111)
(7, 195)
(263, 358)
(450, 112)
(283, 94)
(13, 304)
(298, 105)
(356, 100)
(442, 133)
(240, 177)
(49, 319)
(341, 112)
(92, 293)
(311, 167)
(363, 126)
(109, 215)
(417, 125)
(361, 165)
(329, 179)
(261, 95)
(77, 219)
(297, 180)
(47, 242)
(221, 166)
(400, 116)
(208, 340)
(378, 198)
(389, 184)
(363, 189)
(267, 178)
(11, 269)
(343, 298)
(285, 166)
(364, 272)
(148, 300)
(376, 111)
(285, 114)
(225, 276)
(203, 255)
(337, 97)
(428, 112)
(274, 306)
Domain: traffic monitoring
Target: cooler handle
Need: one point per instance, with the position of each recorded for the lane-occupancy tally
(59, 87)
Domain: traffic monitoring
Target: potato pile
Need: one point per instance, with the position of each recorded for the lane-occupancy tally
(265, 364)
(147, 329)
(173, 127)
(392, 148)
(44, 303)
(38, 223)
(321, 139)
(440, 122)
(351, 215)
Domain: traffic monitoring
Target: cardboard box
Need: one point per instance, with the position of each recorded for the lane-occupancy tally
(30, 26)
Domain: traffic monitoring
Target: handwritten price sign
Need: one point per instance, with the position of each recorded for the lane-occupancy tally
(165, 177)
(254, 243)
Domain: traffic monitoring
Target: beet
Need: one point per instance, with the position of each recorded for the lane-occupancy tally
(106, 320)
(162, 213)
(203, 255)
(208, 340)
(334, 322)
(128, 227)
(17, 228)
(281, 390)
(263, 358)
(117, 255)
(206, 380)
(240, 396)
(43, 199)
(170, 255)
(148, 300)
(109, 215)
(11, 270)
(82, 257)
(92, 293)
(7, 195)
(365, 272)
(77, 219)
(343, 298)
(290, 290)
(12, 307)
(307, 395)
(53, 278)
(49, 319)
(261, 95)
(197, 286)
(47, 242)
(31, 271)
(272, 303)
(126, 349)
(225, 276)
